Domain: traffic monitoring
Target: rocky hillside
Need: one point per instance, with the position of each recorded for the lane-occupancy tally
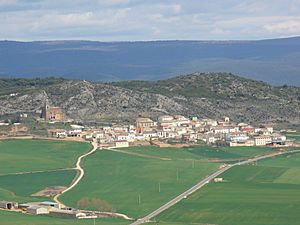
(211, 95)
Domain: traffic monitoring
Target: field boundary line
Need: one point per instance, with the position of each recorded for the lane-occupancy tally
(38, 171)
(138, 154)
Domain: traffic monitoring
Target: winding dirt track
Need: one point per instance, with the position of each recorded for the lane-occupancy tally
(81, 172)
(78, 179)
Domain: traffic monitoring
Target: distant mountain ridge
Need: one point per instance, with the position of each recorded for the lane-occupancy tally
(206, 95)
(276, 61)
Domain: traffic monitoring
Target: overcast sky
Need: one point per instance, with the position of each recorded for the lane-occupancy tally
(121, 20)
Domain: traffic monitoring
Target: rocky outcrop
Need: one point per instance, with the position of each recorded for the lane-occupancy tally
(203, 95)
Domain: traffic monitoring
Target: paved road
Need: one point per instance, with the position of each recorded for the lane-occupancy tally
(81, 172)
(202, 183)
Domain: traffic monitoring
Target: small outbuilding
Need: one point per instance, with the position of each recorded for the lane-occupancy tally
(37, 210)
(6, 205)
(218, 179)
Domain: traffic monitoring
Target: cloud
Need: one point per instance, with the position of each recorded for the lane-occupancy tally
(290, 27)
(115, 20)
(113, 2)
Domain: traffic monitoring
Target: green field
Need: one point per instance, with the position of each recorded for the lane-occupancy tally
(38, 157)
(200, 153)
(264, 194)
(294, 137)
(120, 179)
(138, 184)
(20, 187)
(11, 218)
(35, 155)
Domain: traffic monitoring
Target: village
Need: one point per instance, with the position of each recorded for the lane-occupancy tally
(170, 129)
(165, 131)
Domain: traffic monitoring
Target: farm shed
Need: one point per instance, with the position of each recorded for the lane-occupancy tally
(23, 206)
(37, 210)
(50, 204)
(6, 205)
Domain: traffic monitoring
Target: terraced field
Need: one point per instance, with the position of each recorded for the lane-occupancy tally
(263, 194)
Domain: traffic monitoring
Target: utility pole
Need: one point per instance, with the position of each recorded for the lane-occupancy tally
(94, 218)
(139, 199)
(177, 174)
(159, 187)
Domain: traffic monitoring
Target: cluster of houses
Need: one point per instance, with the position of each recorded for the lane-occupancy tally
(176, 129)
(50, 208)
(165, 129)
(36, 208)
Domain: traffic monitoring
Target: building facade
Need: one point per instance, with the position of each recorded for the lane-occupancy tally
(50, 113)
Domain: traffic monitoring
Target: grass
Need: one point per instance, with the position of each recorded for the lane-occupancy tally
(120, 179)
(35, 155)
(131, 183)
(12, 218)
(200, 153)
(40, 157)
(265, 194)
(41, 128)
(294, 137)
(20, 187)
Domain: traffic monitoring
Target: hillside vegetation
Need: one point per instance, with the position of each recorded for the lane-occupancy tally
(212, 85)
(208, 95)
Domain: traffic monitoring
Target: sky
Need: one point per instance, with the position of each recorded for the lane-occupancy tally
(134, 20)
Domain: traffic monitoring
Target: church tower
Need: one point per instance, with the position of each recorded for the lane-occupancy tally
(45, 110)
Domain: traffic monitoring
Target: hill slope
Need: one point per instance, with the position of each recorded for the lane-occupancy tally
(211, 95)
(274, 61)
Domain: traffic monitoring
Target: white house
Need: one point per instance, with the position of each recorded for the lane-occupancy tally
(150, 134)
(121, 144)
(121, 137)
(262, 140)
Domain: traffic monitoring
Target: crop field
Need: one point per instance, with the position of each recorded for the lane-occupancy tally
(263, 194)
(28, 166)
(138, 183)
(11, 218)
(294, 137)
(200, 153)
(135, 185)
(36, 155)
(20, 187)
